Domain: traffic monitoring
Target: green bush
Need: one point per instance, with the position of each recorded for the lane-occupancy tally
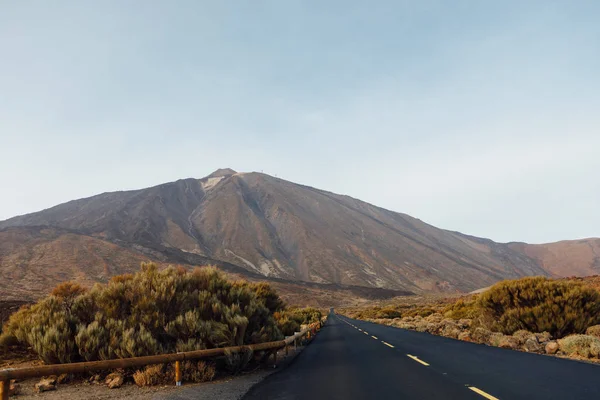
(147, 313)
(237, 362)
(538, 304)
(462, 309)
(292, 319)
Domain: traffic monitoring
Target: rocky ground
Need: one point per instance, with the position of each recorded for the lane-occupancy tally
(586, 347)
(117, 386)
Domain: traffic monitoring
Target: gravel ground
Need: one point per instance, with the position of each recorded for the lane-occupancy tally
(232, 389)
(229, 388)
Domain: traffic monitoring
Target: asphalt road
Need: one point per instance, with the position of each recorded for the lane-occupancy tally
(351, 359)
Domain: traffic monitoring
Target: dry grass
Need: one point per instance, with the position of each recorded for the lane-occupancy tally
(152, 375)
(580, 345)
(197, 372)
(162, 374)
(593, 331)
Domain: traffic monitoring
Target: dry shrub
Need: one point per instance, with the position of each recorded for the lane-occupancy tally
(462, 309)
(593, 331)
(164, 374)
(197, 372)
(7, 340)
(538, 304)
(580, 345)
(150, 312)
(48, 328)
(421, 312)
(236, 362)
(152, 375)
(291, 320)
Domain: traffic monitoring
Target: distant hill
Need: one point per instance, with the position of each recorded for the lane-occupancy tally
(255, 225)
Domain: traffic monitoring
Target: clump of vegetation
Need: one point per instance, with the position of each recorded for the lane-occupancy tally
(292, 319)
(237, 362)
(164, 374)
(462, 309)
(377, 312)
(539, 304)
(197, 372)
(593, 331)
(152, 375)
(524, 314)
(150, 312)
(580, 345)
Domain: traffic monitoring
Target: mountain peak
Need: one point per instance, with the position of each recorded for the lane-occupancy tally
(222, 172)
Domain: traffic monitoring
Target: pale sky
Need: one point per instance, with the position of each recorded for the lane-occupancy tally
(476, 116)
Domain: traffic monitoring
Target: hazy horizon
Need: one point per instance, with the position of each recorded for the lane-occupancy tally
(478, 118)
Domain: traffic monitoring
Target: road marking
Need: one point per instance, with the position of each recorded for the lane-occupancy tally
(482, 393)
(417, 360)
(360, 329)
(387, 344)
(374, 337)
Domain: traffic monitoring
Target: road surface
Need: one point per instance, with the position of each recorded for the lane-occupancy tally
(351, 359)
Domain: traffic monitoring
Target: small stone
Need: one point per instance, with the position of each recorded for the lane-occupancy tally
(551, 347)
(481, 335)
(114, 380)
(543, 337)
(531, 345)
(509, 342)
(62, 378)
(465, 322)
(45, 385)
(14, 388)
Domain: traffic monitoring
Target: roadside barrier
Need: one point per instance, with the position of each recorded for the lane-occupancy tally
(82, 367)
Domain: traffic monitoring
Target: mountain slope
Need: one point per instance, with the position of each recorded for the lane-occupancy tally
(33, 260)
(565, 258)
(279, 229)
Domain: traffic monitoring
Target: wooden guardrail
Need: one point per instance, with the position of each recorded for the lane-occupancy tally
(82, 367)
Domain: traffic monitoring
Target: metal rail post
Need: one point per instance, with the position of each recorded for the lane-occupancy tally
(177, 373)
(4, 388)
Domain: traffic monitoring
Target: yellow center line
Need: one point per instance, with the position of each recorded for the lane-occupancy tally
(387, 344)
(366, 333)
(417, 360)
(374, 337)
(482, 393)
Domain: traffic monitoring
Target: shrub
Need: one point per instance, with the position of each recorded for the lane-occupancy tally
(147, 313)
(291, 320)
(48, 328)
(462, 309)
(67, 292)
(7, 340)
(538, 304)
(593, 331)
(421, 312)
(237, 362)
(198, 372)
(152, 375)
(580, 345)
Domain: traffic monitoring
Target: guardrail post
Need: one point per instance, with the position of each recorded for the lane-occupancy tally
(177, 373)
(4, 388)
